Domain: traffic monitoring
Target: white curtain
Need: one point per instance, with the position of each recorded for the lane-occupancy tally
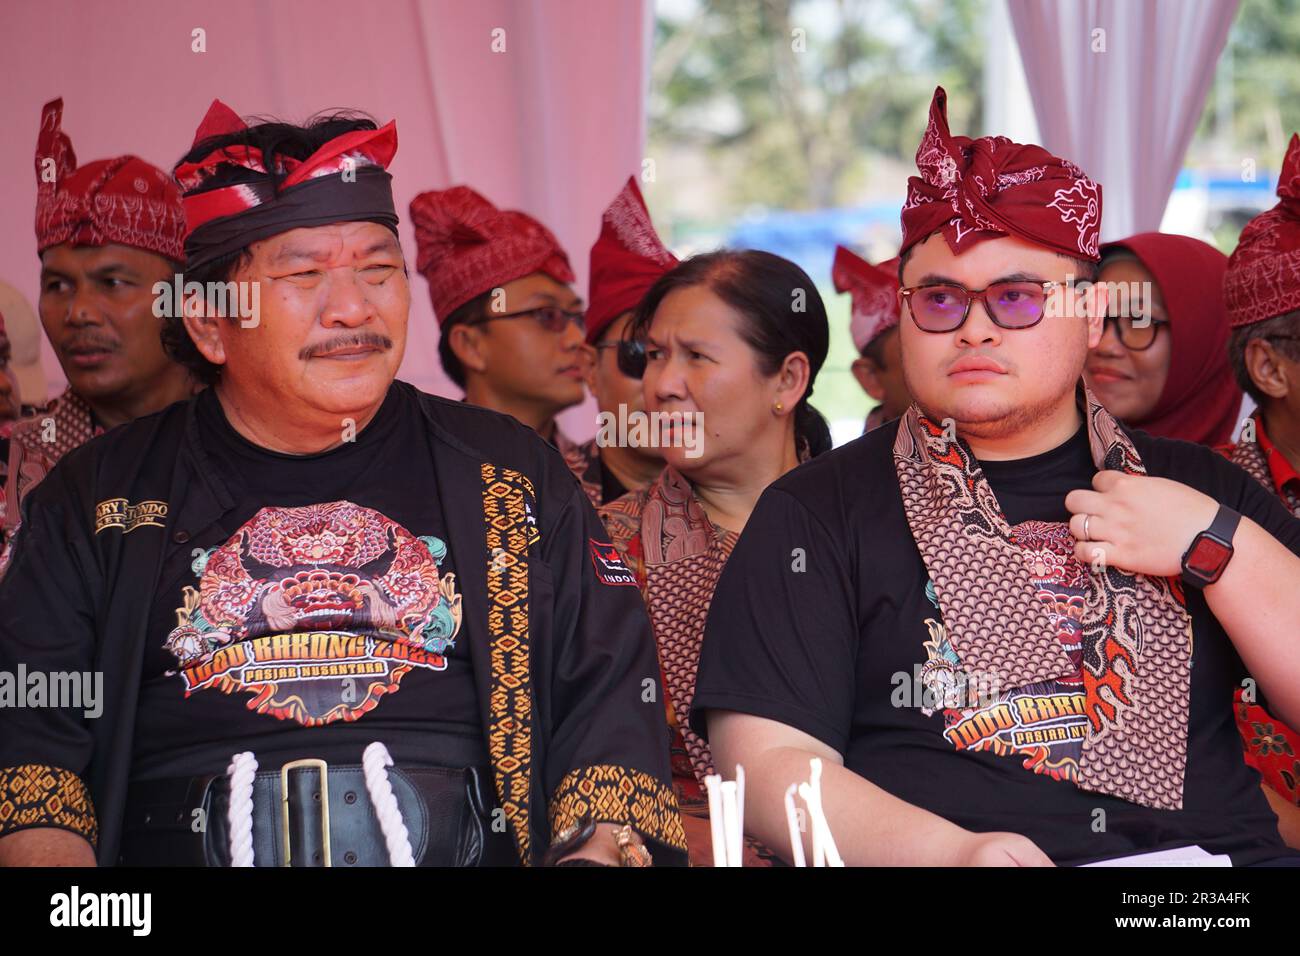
(1118, 88)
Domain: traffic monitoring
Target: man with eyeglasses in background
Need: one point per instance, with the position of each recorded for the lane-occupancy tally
(512, 326)
(626, 259)
(986, 641)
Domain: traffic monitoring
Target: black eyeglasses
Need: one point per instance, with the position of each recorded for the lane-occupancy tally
(550, 317)
(1136, 333)
(631, 357)
(944, 307)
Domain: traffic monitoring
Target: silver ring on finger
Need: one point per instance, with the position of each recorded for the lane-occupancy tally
(1086, 535)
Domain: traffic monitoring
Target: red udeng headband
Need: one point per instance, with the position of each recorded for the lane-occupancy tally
(466, 246)
(122, 200)
(976, 189)
(345, 180)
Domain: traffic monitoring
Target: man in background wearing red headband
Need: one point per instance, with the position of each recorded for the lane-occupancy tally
(873, 291)
(317, 598)
(989, 642)
(512, 328)
(106, 232)
(1262, 292)
(626, 259)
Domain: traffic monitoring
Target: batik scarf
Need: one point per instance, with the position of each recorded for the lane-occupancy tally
(35, 446)
(678, 555)
(1137, 638)
(584, 461)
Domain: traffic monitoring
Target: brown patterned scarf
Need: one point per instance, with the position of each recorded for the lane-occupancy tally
(678, 554)
(36, 444)
(584, 461)
(1137, 638)
(1248, 455)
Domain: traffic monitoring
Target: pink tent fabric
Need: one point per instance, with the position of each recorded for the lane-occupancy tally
(553, 123)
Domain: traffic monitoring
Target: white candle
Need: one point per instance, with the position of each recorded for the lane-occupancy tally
(740, 810)
(730, 822)
(792, 821)
(715, 819)
(824, 850)
(819, 851)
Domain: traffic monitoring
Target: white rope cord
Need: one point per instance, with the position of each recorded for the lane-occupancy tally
(374, 762)
(239, 815)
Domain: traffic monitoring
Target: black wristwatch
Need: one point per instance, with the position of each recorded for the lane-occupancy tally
(1211, 550)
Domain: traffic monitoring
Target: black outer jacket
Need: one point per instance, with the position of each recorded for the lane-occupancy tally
(564, 662)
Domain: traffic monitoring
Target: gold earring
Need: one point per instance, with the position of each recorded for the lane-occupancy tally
(778, 408)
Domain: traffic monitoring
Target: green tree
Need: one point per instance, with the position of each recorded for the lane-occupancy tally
(792, 100)
(1254, 105)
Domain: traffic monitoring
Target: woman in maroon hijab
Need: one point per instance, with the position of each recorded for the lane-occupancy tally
(1162, 363)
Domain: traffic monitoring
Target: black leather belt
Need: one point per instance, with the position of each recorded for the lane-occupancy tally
(321, 816)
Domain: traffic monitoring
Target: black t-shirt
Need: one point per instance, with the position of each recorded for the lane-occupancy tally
(317, 616)
(825, 620)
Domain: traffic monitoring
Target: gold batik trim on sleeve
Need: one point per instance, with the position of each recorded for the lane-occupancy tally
(36, 795)
(613, 794)
(511, 529)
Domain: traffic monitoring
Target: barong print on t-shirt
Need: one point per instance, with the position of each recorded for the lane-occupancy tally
(319, 611)
(1042, 723)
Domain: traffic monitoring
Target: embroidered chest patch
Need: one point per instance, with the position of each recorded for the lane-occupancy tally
(609, 566)
(121, 514)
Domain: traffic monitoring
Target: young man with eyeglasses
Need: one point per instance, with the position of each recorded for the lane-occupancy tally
(1262, 292)
(989, 630)
(512, 327)
(626, 259)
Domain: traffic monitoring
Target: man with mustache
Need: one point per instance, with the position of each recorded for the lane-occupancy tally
(350, 623)
(1009, 626)
(106, 232)
(511, 325)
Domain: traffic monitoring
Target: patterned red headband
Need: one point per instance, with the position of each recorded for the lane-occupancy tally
(626, 260)
(123, 200)
(466, 246)
(975, 189)
(1263, 278)
(873, 292)
(344, 180)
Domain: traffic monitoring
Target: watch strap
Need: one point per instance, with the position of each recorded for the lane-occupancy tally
(1224, 525)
